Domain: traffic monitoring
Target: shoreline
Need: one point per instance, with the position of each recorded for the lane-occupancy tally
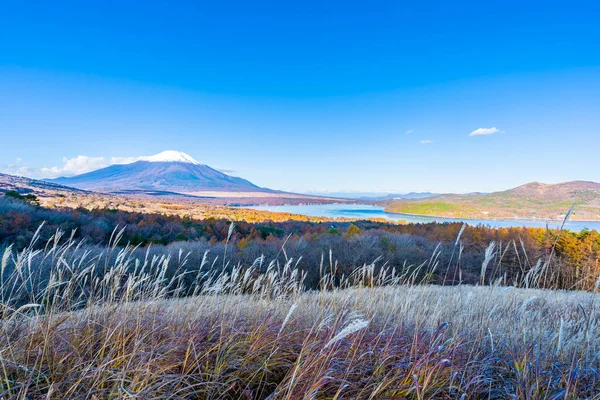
(554, 224)
(554, 221)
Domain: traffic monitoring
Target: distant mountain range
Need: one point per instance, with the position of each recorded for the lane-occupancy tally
(533, 200)
(392, 196)
(169, 171)
(173, 173)
(370, 196)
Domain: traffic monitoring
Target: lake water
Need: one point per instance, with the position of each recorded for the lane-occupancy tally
(365, 211)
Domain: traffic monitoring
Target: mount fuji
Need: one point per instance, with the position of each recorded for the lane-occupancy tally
(169, 171)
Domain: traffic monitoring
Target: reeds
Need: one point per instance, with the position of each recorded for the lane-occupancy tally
(139, 327)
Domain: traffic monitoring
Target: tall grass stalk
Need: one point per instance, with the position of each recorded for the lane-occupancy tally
(114, 324)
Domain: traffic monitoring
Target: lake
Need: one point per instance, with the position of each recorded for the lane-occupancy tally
(365, 211)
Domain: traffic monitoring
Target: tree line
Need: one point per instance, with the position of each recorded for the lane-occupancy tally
(453, 253)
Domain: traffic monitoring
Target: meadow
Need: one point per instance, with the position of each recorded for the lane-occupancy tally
(116, 321)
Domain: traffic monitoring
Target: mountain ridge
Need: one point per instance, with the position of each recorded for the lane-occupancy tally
(532, 200)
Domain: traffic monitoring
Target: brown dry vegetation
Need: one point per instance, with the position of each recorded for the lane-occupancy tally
(54, 196)
(81, 321)
(98, 329)
(567, 260)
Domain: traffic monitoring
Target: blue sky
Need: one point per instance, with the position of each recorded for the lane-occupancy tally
(375, 96)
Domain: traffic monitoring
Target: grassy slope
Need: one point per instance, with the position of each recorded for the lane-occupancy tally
(529, 201)
(247, 336)
(415, 342)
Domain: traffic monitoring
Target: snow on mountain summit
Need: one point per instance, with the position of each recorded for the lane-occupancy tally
(169, 171)
(171, 156)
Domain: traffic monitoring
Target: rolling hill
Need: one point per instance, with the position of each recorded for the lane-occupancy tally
(532, 201)
(40, 188)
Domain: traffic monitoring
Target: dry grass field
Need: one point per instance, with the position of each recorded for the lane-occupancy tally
(84, 328)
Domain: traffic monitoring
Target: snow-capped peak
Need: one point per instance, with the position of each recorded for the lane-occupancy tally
(171, 156)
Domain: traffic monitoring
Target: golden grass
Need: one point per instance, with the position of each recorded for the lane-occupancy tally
(413, 342)
(123, 330)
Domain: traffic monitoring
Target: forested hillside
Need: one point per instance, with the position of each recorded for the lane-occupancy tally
(532, 201)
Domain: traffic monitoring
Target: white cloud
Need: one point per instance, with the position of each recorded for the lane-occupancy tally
(74, 166)
(408, 132)
(17, 168)
(12, 169)
(125, 160)
(70, 166)
(226, 170)
(484, 131)
(82, 164)
(426, 141)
